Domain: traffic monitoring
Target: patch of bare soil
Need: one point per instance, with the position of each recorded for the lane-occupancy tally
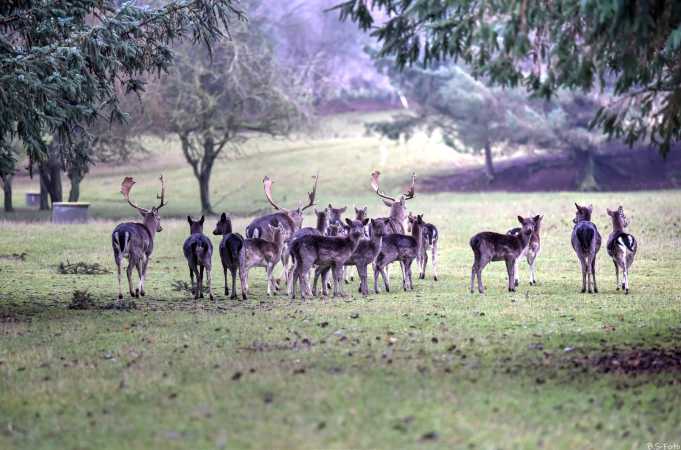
(616, 169)
(640, 361)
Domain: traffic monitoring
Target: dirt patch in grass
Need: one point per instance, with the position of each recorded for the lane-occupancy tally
(640, 361)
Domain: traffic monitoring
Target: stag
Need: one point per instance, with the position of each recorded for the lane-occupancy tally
(134, 240)
(398, 207)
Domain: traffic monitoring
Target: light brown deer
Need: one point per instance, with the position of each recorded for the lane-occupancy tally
(533, 249)
(622, 247)
(257, 252)
(430, 238)
(395, 223)
(134, 240)
(489, 246)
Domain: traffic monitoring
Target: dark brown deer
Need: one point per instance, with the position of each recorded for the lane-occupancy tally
(533, 249)
(320, 230)
(134, 240)
(489, 246)
(361, 258)
(257, 252)
(395, 223)
(402, 248)
(586, 241)
(198, 250)
(621, 247)
(323, 251)
(336, 214)
(430, 238)
(230, 249)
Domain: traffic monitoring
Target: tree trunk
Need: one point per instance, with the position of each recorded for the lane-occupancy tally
(74, 193)
(489, 165)
(44, 201)
(50, 179)
(586, 177)
(204, 190)
(7, 189)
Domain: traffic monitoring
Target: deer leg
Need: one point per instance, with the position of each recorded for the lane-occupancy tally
(270, 281)
(142, 270)
(510, 269)
(129, 273)
(433, 254)
(424, 263)
(386, 278)
(474, 271)
(243, 277)
(583, 266)
(481, 265)
(593, 274)
(120, 291)
(191, 278)
(516, 282)
(374, 269)
(233, 273)
(409, 275)
(346, 277)
(617, 275)
(200, 278)
(317, 274)
(362, 273)
(209, 280)
(224, 269)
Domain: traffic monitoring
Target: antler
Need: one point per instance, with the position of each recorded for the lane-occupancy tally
(312, 194)
(267, 184)
(376, 187)
(410, 193)
(126, 186)
(163, 193)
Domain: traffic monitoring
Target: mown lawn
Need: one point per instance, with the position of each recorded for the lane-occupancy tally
(437, 367)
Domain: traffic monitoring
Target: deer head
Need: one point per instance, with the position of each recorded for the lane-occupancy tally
(583, 213)
(335, 214)
(398, 207)
(295, 214)
(224, 225)
(619, 220)
(152, 219)
(526, 225)
(361, 213)
(195, 226)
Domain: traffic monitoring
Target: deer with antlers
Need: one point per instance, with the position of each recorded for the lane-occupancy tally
(398, 207)
(135, 240)
(289, 220)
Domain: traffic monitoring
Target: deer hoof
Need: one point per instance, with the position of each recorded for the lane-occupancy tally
(142, 293)
(120, 296)
(210, 296)
(435, 278)
(626, 291)
(595, 290)
(583, 290)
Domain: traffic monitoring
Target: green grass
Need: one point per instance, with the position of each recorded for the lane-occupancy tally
(479, 371)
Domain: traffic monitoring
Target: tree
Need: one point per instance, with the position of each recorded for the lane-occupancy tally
(64, 64)
(215, 100)
(632, 45)
(8, 166)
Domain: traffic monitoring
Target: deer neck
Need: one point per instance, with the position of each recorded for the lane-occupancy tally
(151, 229)
(524, 239)
(617, 225)
(322, 225)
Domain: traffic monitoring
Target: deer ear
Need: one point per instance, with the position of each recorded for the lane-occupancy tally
(348, 221)
(388, 203)
(203, 218)
(223, 217)
(189, 219)
(590, 208)
(520, 219)
(365, 221)
(343, 209)
(330, 207)
(609, 211)
(577, 206)
(538, 218)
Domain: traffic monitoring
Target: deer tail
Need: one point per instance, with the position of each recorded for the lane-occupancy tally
(627, 241)
(120, 242)
(585, 236)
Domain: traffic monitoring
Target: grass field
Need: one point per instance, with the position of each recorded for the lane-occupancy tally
(546, 367)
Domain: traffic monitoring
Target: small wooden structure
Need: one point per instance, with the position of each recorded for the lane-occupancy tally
(70, 212)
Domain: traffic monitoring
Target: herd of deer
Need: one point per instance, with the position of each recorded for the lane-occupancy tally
(335, 244)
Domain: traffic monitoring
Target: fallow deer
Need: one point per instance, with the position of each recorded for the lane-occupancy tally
(323, 251)
(230, 249)
(362, 257)
(320, 230)
(395, 223)
(621, 247)
(134, 240)
(257, 252)
(586, 241)
(533, 249)
(430, 238)
(336, 214)
(198, 250)
(402, 248)
(489, 246)
(290, 220)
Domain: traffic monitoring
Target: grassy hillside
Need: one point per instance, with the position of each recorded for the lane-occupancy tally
(546, 367)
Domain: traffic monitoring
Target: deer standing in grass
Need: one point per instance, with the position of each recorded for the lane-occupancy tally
(134, 240)
(398, 207)
(586, 241)
(361, 258)
(198, 250)
(533, 249)
(488, 246)
(430, 237)
(621, 247)
(402, 248)
(230, 249)
(323, 251)
(289, 220)
(257, 252)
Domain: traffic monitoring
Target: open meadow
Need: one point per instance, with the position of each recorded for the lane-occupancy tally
(545, 367)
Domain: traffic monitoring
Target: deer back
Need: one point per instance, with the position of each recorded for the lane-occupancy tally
(132, 238)
(259, 228)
